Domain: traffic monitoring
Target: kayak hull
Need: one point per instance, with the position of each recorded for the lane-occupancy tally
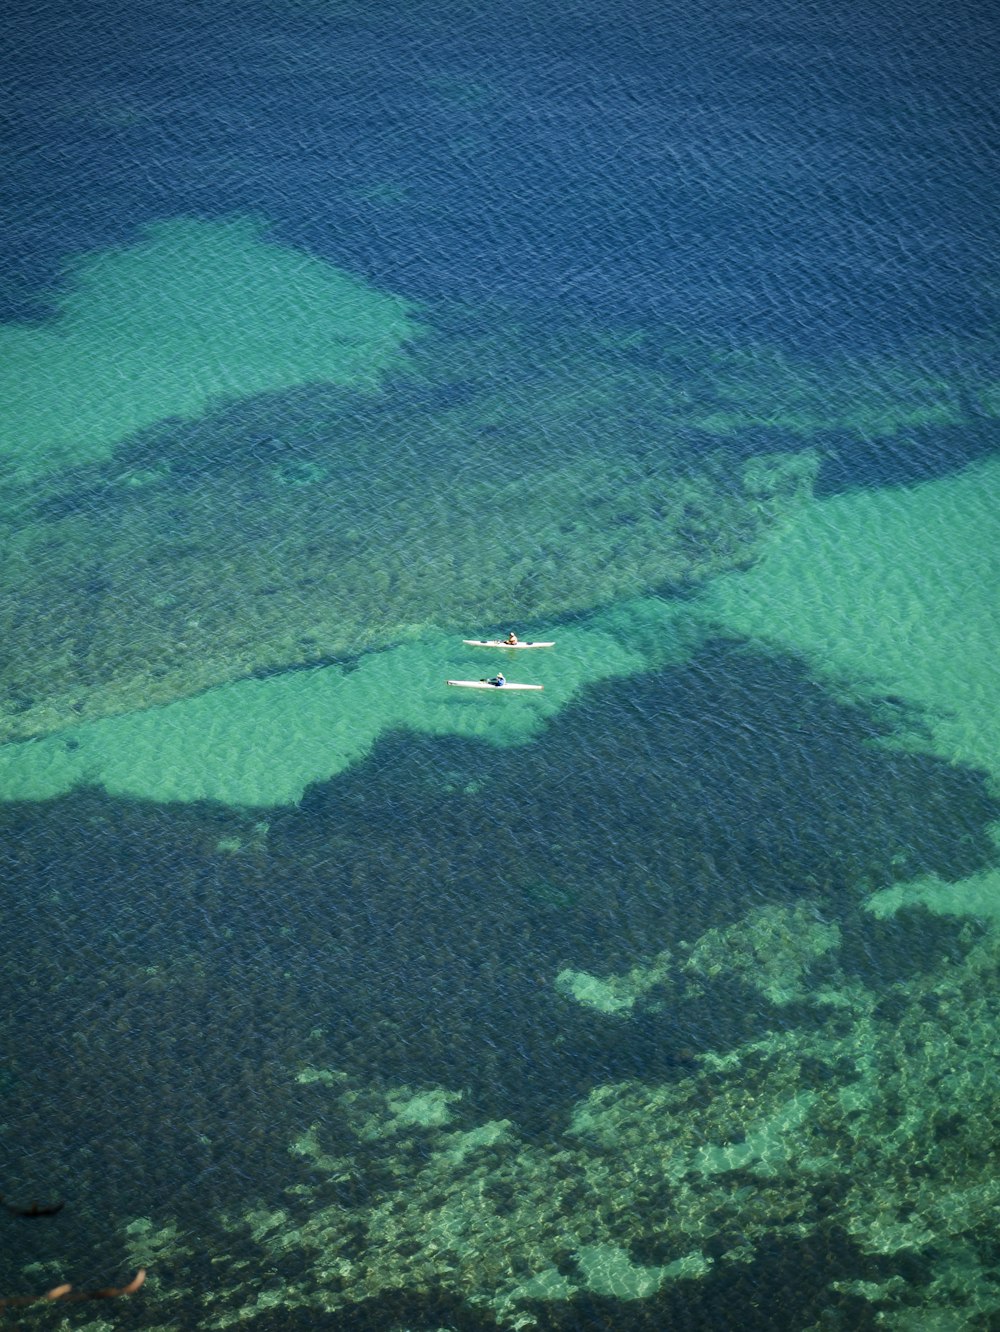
(499, 643)
(485, 684)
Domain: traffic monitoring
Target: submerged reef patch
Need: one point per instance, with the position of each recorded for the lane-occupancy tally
(864, 1142)
(363, 999)
(771, 948)
(331, 506)
(315, 525)
(390, 930)
(928, 670)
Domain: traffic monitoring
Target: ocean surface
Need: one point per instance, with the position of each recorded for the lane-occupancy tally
(335, 333)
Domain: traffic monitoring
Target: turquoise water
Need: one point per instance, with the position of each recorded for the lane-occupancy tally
(663, 997)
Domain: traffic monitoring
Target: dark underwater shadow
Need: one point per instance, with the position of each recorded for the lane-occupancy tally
(913, 456)
(169, 969)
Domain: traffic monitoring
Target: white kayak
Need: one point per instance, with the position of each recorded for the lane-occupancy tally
(498, 642)
(485, 684)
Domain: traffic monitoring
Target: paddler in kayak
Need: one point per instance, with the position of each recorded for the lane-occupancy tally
(511, 639)
(497, 680)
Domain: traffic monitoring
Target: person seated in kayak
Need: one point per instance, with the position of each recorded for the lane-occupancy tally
(497, 680)
(511, 639)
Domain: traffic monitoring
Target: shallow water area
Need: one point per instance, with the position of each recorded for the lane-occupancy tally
(193, 313)
(262, 742)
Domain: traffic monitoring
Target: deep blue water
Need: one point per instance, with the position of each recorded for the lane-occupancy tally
(799, 174)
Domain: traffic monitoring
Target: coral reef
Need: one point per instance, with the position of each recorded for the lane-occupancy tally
(771, 949)
(861, 1131)
(307, 527)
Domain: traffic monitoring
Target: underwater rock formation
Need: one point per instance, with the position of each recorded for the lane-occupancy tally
(308, 526)
(864, 1135)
